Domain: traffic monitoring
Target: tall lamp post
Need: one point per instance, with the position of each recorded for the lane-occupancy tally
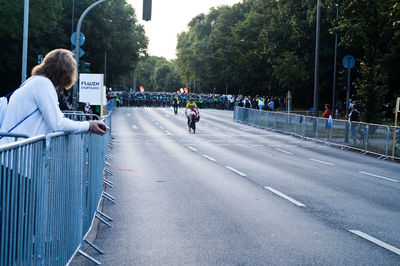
(334, 65)
(316, 73)
(77, 49)
(25, 41)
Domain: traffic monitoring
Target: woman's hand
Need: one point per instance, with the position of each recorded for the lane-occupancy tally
(98, 127)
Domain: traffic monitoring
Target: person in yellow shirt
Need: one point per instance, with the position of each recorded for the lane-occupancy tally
(191, 109)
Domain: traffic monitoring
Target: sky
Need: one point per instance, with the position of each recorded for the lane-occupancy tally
(169, 18)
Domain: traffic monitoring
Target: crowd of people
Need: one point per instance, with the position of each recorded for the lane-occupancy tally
(204, 101)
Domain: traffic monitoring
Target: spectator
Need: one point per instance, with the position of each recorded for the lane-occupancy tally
(33, 108)
(354, 117)
(328, 117)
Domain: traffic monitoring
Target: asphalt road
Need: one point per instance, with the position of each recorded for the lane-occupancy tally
(233, 194)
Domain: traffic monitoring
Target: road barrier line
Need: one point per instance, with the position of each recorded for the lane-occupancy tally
(236, 171)
(191, 148)
(287, 152)
(318, 161)
(209, 158)
(285, 196)
(376, 241)
(378, 176)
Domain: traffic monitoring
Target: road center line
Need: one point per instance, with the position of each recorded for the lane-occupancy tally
(376, 241)
(378, 176)
(287, 152)
(209, 158)
(280, 194)
(318, 161)
(236, 171)
(191, 148)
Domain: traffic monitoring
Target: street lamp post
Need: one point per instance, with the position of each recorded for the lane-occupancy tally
(316, 72)
(77, 49)
(334, 65)
(25, 41)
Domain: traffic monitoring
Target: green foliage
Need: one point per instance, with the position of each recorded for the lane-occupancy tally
(110, 27)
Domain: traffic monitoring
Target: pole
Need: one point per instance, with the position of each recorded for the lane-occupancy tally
(73, 18)
(395, 125)
(25, 41)
(316, 72)
(77, 49)
(334, 66)
(348, 92)
(105, 67)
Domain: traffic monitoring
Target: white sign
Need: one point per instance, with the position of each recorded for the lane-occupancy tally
(91, 89)
(398, 104)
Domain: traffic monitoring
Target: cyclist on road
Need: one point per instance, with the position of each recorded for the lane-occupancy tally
(191, 109)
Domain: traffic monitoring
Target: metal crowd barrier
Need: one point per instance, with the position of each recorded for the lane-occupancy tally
(369, 138)
(50, 190)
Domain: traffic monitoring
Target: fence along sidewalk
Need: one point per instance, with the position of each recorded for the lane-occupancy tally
(49, 192)
(377, 139)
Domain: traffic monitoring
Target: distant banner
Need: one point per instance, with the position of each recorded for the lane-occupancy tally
(90, 89)
(178, 92)
(186, 90)
(141, 88)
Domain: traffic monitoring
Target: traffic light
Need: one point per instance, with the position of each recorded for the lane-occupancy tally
(146, 10)
(84, 67)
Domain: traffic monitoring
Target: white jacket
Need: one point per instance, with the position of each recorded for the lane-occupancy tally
(37, 92)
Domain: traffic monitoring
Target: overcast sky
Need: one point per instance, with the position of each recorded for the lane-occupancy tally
(170, 17)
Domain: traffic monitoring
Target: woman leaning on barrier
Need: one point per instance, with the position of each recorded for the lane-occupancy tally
(33, 108)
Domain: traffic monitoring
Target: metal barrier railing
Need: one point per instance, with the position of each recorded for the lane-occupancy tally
(370, 138)
(50, 190)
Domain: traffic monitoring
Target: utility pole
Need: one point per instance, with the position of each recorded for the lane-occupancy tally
(316, 73)
(25, 41)
(334, 66)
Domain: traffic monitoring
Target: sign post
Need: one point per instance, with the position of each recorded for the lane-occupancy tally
(396, 111)
(348, 62)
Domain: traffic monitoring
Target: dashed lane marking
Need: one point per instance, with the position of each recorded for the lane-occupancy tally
(378, 176)
(376, 241)
(287, 152)
(280, 194)
(168, 133)
(134, 126)
(191, 148)
(318, 161)
(209, 158)
(236, 171)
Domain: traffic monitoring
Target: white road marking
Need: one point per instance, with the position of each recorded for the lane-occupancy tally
(280, 194)
(257, 145)
(376, 241)
(128, 114)
(134, 126)
(236, 171)
(230, 133)
(318, 161)
(378, 176)
(209, 158)
(169, 133)
(190, 147)
(161, 127)
(245, 129)
(157, 123)
(287, 152)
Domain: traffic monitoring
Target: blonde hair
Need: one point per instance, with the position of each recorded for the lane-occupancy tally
(59, 66)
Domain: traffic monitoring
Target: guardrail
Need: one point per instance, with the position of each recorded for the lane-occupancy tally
(369, 138)
(50, 190)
